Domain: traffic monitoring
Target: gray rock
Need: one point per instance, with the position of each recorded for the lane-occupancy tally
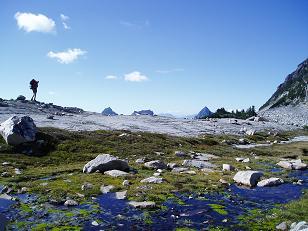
(18, 130)
(239, 159)
(250, 132)
(247, 160)
(227, 167)
(86, 186)
(106, 189)
(179, 169)
(121, 195)
(190, 172)
(172, 165)
(50, 117)
(94, 223)
(21, 97)
(292, 164)
(180, 154)
(152, 180)
(105, 162)
(5, 174)
(70, 203)
(198, 164)
(140, 161)
(300, 226)
(156, 174)
(204, 156)
(243, 141)
(142, 205)
(273, 181)
(282, 226)
(6, 197)
(249, 178)
(155, 164)
(17, 171)
(115, 173)
(126, 183)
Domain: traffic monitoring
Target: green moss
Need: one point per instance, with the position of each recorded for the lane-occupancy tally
(219, 209)
(66, 228)
(40, 227)
(25, 208)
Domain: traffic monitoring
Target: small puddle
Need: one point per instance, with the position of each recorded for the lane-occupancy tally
(295, 139)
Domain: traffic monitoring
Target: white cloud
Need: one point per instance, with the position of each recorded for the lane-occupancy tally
(35, 22)
(64, 20)
(66, 57)
(111, 77)
(64, 17)
(170, 71)
(135, 76)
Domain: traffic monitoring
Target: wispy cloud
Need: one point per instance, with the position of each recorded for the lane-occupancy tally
(135, 25)
(68, 56)
(135, 76)
(35, 22)
(64, 20)
(111, 77)
(168, 71)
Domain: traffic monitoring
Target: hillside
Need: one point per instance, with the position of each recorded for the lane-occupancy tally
(293, 91)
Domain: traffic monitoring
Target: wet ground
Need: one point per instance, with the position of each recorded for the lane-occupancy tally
(194, 211)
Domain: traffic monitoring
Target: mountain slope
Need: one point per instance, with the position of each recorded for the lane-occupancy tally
(293, 91)
(203, 113)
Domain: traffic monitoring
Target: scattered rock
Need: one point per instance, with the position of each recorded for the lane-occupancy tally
(44, 184)
(5, 174)
(105, 162)
(179, 169)
(282, 226)
(190, 172)
(142, 205)
(17, 171)
(239, 159)
(250, 132)
(243, 141)
(249, 178)
(172, 165)
(227, 167)
(273, 181)
(140, 161)
(181, 154)
(156, 174)
(292, 164)
(21, 98)
(152, 180)
(198, 164)
(94, 223)
(6, 197)
(247, 160)
(204, 156)
(223, 182)
(121, 195)
(70, 203)
(86, 186)
(300, 226)
(106, 189)
(50, 117)
(115, 173)
(126, 183)
(155, 164)
(18, 130)
(6, 163)
(207, 170)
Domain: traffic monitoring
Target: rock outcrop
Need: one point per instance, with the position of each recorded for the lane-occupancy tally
(273, 181)
(205, 112)
(18, 130)
(108, 112)
(105, 162)
(248, 178)
(143, 112)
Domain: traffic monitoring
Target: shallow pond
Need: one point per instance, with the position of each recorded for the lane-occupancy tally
(194, 211)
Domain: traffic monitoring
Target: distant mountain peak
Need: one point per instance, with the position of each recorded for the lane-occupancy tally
(203, 113)
(293, 91)
(144, 112)
(109, 112)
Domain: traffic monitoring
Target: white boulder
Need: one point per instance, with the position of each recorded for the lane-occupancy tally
(273, 181)
(249, 178)
(105, 162)
(18, 130)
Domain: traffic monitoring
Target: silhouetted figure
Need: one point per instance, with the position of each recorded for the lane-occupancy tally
(33, 87)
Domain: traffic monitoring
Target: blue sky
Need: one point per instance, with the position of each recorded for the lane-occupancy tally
(166, 55)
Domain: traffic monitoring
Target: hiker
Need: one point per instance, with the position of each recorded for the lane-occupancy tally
(33, 87)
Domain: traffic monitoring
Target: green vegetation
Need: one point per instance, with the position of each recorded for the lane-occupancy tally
(67, 152)
(223, 113)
